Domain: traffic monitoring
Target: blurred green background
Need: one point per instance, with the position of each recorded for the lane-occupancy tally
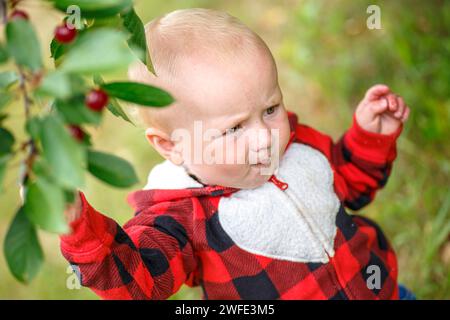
(327, 58)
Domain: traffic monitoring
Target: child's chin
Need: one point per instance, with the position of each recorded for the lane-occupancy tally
(257, 182)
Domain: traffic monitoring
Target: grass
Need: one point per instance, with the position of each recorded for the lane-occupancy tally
(327, 58)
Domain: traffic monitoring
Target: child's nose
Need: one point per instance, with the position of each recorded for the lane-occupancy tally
(260, 139)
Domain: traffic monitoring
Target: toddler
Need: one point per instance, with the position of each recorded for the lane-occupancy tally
(249, 203)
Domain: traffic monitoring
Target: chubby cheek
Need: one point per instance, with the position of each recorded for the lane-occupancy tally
(222, 163)
(228, 151)
(282, 124)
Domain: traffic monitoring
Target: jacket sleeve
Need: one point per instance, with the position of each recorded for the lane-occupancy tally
(149, 258)
(361, 160)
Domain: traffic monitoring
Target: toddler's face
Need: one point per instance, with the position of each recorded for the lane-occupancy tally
(238, 128)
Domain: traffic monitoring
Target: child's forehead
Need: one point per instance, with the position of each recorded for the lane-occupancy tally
(205, 81)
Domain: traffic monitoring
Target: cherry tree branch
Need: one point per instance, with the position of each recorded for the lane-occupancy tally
(30, 144)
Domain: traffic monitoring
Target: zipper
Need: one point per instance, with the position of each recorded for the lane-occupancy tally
(313, 227)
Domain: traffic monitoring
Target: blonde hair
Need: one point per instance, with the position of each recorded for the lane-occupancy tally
(182, 33)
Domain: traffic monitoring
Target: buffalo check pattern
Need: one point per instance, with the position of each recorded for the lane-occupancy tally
(175, 238)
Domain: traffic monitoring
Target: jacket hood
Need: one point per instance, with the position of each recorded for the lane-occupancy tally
(169, 182)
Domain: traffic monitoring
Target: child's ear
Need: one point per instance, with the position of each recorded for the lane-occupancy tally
(163, 145)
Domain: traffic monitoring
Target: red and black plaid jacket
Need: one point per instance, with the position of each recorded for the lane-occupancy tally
(176, 237)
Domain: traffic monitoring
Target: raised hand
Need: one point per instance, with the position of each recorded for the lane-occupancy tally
(381, 111)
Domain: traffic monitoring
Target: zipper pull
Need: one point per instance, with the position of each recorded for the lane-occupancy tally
(280, 184)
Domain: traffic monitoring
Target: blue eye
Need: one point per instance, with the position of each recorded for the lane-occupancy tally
(272, 109)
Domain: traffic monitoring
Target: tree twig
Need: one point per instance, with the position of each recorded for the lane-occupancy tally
(3, 12)
(32, 150)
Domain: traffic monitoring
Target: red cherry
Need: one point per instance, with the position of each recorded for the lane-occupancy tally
(96, 100)
(65, 34)
(76, 132)
(19, 14)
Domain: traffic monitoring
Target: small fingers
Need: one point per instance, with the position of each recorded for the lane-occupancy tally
(392, 101)
(401, 108)
(378, 106)
(376, 91)
(406, 114)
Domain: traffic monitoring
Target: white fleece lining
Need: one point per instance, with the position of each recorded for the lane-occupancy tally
(167, 175)
(298, 225)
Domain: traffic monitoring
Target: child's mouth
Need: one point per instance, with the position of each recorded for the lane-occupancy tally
(261, 165)
(262, 161)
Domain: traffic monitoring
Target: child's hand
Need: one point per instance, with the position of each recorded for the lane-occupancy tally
(73, 210)
(381, 111)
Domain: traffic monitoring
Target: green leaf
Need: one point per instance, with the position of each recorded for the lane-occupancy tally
(32, 126)
(111, 169)
(98, 51)
(115, 108)
(6, 141)
(57, 49)
(5, 98)
(86, 139)
(95, 9)
(133, 24)
(3, 54)
(7, 79)
(69, 195)
(22, 250)
(45, 204)
(3, 116)
(23, 44)
(42, 169)
(61, 85)
(66, 157)
(113, 105)
(114, 22)
(138, 93)
(98, 80)
(74, 111)
(56, 84)
(3, 162)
